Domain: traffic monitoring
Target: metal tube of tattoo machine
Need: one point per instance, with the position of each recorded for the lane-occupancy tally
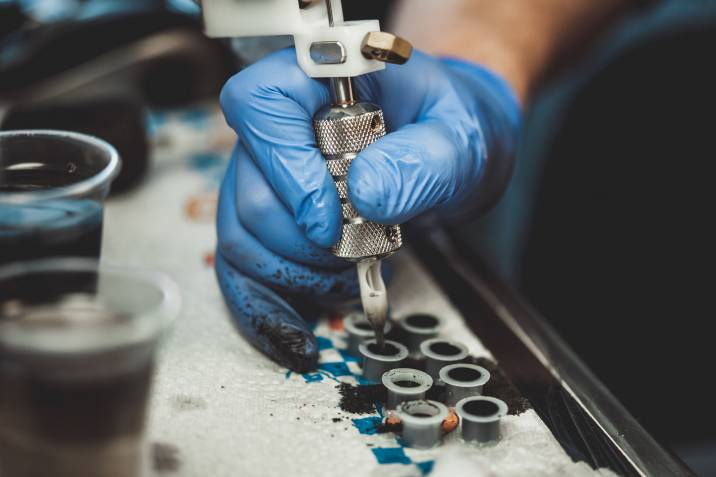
(358, 330)
(379, 359)
(405, 384)
(480, 417)
(344, 129)
(422, 423)
(439, 352)
(463, 380)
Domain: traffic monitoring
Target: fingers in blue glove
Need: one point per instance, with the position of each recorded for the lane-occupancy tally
(270, 105)
(455, 127)
(251, 277)
(262, 213)
(248, 255)
(413, 170)
(266, 320)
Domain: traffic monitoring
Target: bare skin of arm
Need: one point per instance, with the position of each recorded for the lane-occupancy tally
(521, 40)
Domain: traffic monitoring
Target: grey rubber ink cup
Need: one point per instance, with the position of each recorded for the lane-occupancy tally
(359, 330)
(376, 363)
(405, 384)
(422, 423)
(480, 418)
(418, 328)
(439, 353)
(463, 380)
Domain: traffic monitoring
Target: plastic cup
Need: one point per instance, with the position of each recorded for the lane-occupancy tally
(77, 350)
(52, 190)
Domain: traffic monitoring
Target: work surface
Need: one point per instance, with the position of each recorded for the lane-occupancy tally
(219, 408)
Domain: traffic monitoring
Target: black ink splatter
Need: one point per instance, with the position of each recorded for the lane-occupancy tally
(361, 399)
(183, 402)
(165, 458)
(501, 387)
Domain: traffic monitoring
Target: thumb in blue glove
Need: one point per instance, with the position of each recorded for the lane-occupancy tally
(455, 126)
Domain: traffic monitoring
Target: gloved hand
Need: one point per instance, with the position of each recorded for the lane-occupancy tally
(454, 130)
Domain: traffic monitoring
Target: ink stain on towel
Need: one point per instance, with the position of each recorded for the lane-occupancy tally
(501, 387)
(184, 402)
(165, 458)
(361, 399)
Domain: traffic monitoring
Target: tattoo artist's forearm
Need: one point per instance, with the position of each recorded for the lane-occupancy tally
(519, 39)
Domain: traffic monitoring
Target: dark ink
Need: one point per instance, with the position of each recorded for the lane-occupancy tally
(387, 350)
(464, 374)
(481, 408)
(363, 325)
(361, 399)
(422, 321)
(56, 228)
(444, 348)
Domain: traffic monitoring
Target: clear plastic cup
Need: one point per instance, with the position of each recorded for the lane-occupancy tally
(52, 189)
(77, 350)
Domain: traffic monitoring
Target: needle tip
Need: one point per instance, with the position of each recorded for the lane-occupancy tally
(374, 297)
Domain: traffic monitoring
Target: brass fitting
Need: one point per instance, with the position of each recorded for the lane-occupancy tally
(386, 47)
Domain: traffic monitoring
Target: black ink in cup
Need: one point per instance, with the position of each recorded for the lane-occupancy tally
(52, 190)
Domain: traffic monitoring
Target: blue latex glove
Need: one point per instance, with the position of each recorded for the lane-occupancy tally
(455, 126)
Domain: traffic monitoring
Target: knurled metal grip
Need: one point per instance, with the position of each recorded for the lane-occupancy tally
(341, 133)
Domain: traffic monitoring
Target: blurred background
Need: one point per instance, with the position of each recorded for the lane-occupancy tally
(605, 227)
